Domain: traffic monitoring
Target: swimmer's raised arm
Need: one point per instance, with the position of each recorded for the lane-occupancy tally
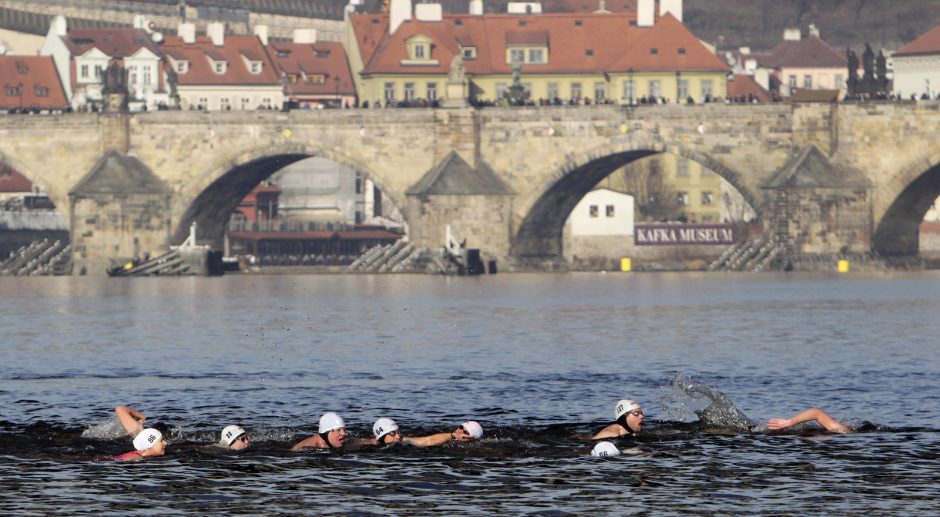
(831, 424)
(428, 441)
(131, 419)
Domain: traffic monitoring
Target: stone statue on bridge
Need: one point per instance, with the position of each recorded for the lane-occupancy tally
(852, 82)
(455, 93)
(114, 88)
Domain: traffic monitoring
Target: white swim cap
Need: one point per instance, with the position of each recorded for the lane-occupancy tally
(475, 429)
(230, 434)
(625, 406)
(383, 426)
(605, 449)
(330, 421)
(147, 439)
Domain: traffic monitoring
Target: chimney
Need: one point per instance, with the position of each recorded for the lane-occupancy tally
(601, 7)
(398, 13)
(671, 6)
(187, 32)
(429, 12)
(216, 32)
(645, 13)
(524, 8)
(791, 34)
(262, 32)
(813, 30)
(476, 7)
(59, 27)
(305, 36)
(140, 22)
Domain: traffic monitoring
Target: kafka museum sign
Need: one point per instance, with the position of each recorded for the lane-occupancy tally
(663, 234)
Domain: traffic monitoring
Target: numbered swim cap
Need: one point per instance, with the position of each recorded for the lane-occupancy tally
(230, 434)
(475, 429)
(605, 449)
(147, 439)
(383, 426)
(623, 407)
(330, 421)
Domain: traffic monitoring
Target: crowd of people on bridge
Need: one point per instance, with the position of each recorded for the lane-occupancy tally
(150, 442)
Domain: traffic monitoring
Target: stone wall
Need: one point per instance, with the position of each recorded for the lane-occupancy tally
(483, 221)
(823, 221)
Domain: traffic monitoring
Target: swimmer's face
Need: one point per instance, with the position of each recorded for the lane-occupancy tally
(242, 442)
(391, 437)
(461, 435)
(336, 437)
(635, 420)
(158, 449)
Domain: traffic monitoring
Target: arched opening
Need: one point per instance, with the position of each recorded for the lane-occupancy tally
(589, 217)
(34, 234)
(909, 226)
(294, 210)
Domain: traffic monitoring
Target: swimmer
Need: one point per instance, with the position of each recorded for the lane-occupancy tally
(830, 424)
(628, 419)
(148, 443)
(386, 432)
(235, 438)
(605, 449)
(331, 434)
(131, 419)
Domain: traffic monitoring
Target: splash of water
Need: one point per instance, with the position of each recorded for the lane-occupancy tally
(685, 399)
(108, 429)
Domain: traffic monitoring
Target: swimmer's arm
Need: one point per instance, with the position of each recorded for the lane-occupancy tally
(831, 424)
(607, 432)
(361, 442)
(430, 440)
(130, 418)
(306, 442)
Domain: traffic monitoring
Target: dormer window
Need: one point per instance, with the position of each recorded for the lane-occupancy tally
(654, 51)
(219, 67)
(255, 67)
(41, 91)
(469, 52)
(182, 66)
(681, 51)
(420, 48)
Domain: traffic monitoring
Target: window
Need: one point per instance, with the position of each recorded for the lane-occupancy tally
(219, 67)
(838, 83)
(10, 91)
(629, 90)
(419, 51)
(654, 88)
(182, 67)
(41, 91)
(807, 81)
(98, 71)
(683, 89)
(203, 102)
(682, 167)
(589, 52)
(552, 91)
(266, 102)
(409, 91)
(682, 198)
(246, 104)
(654, 51)
(516, 56)
(707, 198)
(470, 53)
(536, 55)
(791, 82)
(132, 74)
(84, 72)
(389, 91)
(610, 210)
(432, 91)
(706, 87)
(577, 23)
(600, 91)
(225, 103)
(592, 211)
(147, 76)
(681, 51)
(575, 90)
(256, 67)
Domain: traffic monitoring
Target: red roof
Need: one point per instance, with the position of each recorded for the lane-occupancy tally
(30, 82)
(323, 58)
(12, 181)
(745, 85)
(811, 52)
(113, 42)
(577, 43)
(928, 43)
(233, 52)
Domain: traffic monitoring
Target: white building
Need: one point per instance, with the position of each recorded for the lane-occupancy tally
(917, 66)
(599, 231)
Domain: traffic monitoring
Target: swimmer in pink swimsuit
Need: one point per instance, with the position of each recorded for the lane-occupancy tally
(148, 443)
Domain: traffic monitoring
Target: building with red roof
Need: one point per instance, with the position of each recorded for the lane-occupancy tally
(917, 66)
(804, 63)
(574, 56)
(31, 83)
(314, 73)
(221, 71)
(82, 55)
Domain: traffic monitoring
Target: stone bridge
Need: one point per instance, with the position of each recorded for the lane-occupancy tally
(823, 178)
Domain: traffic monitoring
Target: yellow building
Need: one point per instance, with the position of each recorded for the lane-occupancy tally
(564, 57)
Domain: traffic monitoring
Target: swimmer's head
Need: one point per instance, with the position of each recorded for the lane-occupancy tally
(234, 437)
(629, 414)
(473, 429)
(147, 438)
(332, 429)
(605, 449)
(386, 427)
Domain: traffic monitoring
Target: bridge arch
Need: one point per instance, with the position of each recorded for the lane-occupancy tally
(210, 198)
(539, 235)
(60, 199)
(905, 199)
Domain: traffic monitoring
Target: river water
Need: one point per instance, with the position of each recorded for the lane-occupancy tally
(539, 360)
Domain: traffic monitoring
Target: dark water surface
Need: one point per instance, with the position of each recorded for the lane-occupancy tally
(539, 360)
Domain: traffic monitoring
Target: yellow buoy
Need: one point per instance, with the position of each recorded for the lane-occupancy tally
(843, 266)
(626, 264)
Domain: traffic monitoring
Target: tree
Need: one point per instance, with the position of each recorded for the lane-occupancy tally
(653, 196)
